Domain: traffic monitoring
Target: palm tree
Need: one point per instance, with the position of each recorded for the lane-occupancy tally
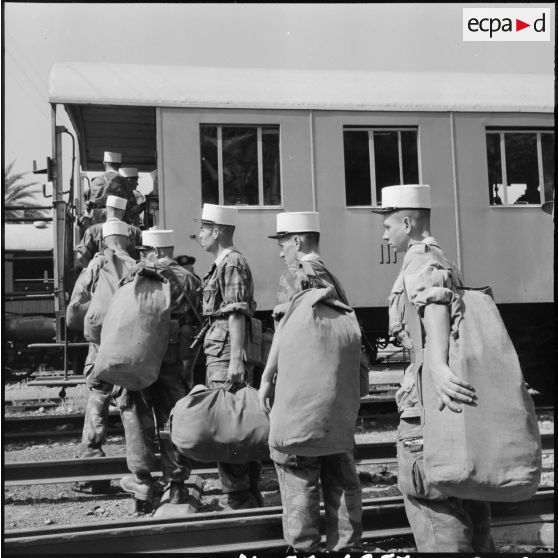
(20, 194)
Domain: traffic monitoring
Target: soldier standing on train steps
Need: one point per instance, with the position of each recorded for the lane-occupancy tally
(424, 286)
(228, 302)
(96, 195)
(115, 237)
(138, 408)
(92, 241)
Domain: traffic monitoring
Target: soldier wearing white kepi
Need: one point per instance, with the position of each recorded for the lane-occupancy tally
(115, 238)
(140, 408)
(92, 241)
(423, 305)
(228, 303)
(300, 476)
(131, 179)
(96, 196)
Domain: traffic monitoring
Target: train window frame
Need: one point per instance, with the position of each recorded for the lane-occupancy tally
(503, 186)
(260, 171)
(372, 160)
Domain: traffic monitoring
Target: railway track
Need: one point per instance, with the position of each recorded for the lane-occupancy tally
(24, 428)
(99, 468)
(21, 428)
(254, 530)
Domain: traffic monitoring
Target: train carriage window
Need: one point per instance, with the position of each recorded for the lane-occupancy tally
(520, 166)
(240, 165)
(375, 158)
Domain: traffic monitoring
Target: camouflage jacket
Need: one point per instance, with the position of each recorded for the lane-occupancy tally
(92, 243)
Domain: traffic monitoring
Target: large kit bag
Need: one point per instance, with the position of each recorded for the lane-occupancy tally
(107, 283)
(135, 332)
(317, 388)
(217, 425)
(490, 451)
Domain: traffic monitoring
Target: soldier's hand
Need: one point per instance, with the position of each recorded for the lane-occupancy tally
(264, 394)
(236, 371)
(450, 389)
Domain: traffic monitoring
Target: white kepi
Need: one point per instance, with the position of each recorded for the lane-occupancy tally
(291, 222)
(116, 202)
(408, 196)
(157, 238)
(115, 226)
(218, 215)
(112, 157)
(128, 172)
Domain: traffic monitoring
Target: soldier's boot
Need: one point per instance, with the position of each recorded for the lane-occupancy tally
(240, 500)
(178, 493)
(141, 487)
(92, 487)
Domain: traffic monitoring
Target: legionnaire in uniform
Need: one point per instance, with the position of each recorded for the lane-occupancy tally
(96, 196)
(115, 235)
(138, 408)
(299, 476)
(439, 523)
(228, 299)
(92, 241)
(131, 178)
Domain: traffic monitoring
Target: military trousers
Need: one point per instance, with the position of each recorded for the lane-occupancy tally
(439, 523)
(234, 476)
(144, 413)
(299, 482)
(95, 423)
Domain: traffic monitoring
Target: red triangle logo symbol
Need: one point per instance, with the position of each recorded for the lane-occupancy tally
(519, 25)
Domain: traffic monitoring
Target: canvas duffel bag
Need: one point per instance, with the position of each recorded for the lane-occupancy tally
(109, 276)
(217, 425)
(317, 391)
(490, 451)
(135, 332)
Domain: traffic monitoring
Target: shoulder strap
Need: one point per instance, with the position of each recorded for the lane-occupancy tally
(184, 295)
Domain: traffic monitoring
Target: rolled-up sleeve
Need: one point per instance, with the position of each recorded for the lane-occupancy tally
(235, 286)
(428, 282)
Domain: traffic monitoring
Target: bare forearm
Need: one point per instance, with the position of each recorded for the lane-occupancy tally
(237, 331)
(436, 323)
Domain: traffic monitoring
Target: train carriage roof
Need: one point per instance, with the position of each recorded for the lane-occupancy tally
(125, 96)
(181, 86)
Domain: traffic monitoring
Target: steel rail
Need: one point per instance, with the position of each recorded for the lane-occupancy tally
(34, 427)
(257, 529)
(99, 468)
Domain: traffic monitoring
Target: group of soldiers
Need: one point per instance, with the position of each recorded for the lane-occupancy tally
(225, 299)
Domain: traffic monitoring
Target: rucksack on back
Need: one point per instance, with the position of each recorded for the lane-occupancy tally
(490, 451)
(317, 389)
(109, 277)
(135, 332)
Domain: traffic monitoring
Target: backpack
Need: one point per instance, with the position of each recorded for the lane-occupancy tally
(490, 451)
(317, 388)
(135, 333)
(109, 277)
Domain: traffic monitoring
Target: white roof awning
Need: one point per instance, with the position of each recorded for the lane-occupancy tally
(255, 88)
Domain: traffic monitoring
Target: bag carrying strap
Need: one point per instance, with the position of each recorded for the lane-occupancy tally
(185, 295)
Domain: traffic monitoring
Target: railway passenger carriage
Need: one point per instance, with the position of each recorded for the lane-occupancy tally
(290, 140)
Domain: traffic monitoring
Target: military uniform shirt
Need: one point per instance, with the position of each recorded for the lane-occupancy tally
(426, 277)
(92, 242)
(227, 288)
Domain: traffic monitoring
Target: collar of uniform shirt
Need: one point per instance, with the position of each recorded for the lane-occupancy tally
(310, 256)
(223, 255)
(429, 240)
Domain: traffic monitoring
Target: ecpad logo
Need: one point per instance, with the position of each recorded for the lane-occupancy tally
(506, 24)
